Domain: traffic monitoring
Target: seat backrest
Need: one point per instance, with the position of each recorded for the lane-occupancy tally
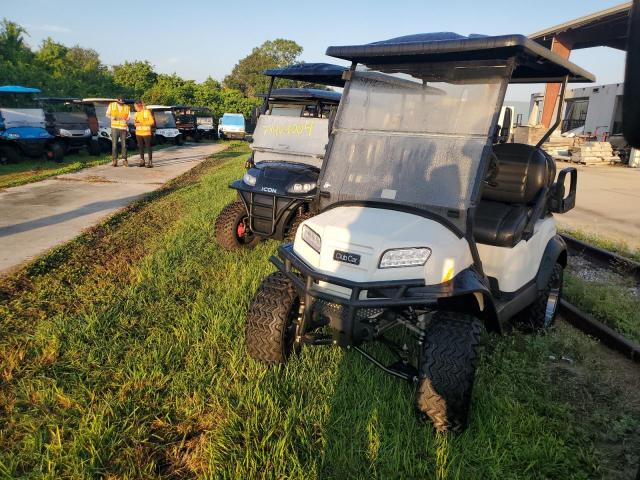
(523, 170)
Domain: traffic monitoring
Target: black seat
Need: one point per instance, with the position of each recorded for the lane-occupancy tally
(507, 204)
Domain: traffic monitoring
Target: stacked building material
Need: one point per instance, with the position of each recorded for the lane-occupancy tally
(559, 147)
(593, 153)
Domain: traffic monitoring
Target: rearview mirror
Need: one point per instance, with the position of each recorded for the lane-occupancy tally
(631, 105)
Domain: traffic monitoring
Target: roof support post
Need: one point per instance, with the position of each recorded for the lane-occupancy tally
(562, 47)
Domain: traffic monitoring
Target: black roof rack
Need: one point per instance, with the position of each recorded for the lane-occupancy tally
(322, 73)
(534, 63)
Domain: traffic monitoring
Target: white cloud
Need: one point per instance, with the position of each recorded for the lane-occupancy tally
(48, 28)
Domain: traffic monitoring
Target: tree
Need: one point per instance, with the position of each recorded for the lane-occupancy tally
(247, 75)
(135, 78)
(171, 90)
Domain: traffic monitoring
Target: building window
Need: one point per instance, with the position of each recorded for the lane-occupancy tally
(576, 114)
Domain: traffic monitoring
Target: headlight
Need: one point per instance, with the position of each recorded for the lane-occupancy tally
(249, 179)
(311, 238)
(65, 133)
(301, 187)
(405, 257)
(13, 135)
(87, 131)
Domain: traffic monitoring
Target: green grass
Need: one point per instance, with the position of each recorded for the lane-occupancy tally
(619, 247)
(612, 304)
(123, 356)
(34, 170)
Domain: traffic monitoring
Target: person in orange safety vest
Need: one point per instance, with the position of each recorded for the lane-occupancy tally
(144, 121)
(119, 113)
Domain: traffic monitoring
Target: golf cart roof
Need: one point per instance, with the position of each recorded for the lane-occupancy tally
(322, 73)
(299, 94)
(159, 107)
(128, 101)
(534, 63)
(59, 99)
(18, 89)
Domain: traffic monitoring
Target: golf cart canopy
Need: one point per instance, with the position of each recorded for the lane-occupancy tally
(322, 73)
(299, 95)
(534, 63)
(415, 126)
(18, 89)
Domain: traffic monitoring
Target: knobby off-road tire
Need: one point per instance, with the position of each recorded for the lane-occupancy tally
(447, 370)
(540, 316)
(226, 228)
(295, 224)
(270, 329)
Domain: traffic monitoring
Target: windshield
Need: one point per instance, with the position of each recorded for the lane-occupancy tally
(233, 120)
(416, 141)
(164, 119)
(101, 114)
(18, 101)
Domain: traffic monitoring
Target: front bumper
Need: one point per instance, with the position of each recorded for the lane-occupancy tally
(348, 315)
(234, 135)
(269, 214)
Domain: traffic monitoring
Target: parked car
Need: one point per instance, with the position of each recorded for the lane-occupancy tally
(205, 123)
(69, 121)
(22, 126)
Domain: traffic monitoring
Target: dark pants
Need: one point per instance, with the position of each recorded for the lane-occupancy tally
(144, 141)
(118, 134)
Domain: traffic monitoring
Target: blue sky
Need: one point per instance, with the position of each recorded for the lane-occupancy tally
(198, 38)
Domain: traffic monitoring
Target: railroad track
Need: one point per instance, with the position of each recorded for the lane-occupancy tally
(585, 322)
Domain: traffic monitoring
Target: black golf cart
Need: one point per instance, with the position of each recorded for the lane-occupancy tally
(70, 120)
(205, 123)
(22, 127)
(288, 146)
(427, 233)
(186, 122)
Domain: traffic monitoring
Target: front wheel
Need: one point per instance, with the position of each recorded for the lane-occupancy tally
(540, 316)
(295, 224)
(447, 370)
(93, 148)
(232, 228)
(270, 329)
(178, 140)
(55, 152)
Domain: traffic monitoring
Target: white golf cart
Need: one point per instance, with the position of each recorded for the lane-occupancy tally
(427, 230)
(100, 106)
(165, 125)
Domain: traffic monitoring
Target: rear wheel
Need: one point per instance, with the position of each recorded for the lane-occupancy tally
(541, 314)
(270, 330)
(232, 228)
(55, 152)
(447, 370)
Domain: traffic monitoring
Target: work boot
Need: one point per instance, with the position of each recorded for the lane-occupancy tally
(141, 164)
(150, 165)
(125, 162)
(114, 162)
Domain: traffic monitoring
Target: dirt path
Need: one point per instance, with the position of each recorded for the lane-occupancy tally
(39, 216)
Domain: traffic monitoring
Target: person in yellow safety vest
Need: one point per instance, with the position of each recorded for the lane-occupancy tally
(119, 113)
(144, 121)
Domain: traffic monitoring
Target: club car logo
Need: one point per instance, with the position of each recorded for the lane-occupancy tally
(269, 190)
(346, 257)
